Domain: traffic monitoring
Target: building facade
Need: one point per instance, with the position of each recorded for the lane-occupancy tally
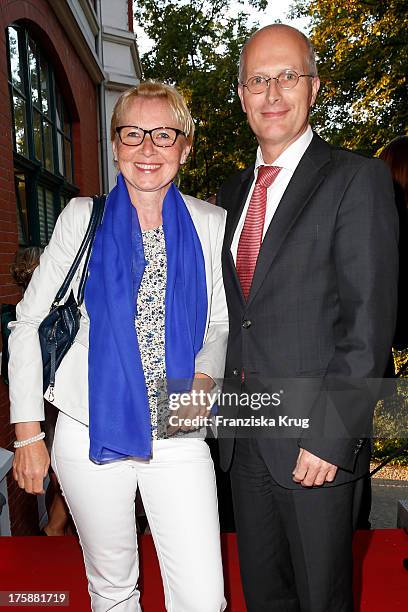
(63, 64)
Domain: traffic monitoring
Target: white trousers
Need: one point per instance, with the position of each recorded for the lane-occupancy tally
(179, 495)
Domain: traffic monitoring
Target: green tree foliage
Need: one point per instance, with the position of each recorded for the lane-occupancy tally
(363, 63)
(196, 47)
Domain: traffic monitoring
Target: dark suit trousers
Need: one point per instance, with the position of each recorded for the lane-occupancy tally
(295, 545)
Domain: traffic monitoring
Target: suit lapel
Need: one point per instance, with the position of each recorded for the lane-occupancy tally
(306, 179)
(238, 199)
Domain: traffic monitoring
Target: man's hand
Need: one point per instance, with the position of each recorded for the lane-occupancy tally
(311, 471)
(202, 384)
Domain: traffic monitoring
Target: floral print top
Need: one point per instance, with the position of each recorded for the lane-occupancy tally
(150, 327)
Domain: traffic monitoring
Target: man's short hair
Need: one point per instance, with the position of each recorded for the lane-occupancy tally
(311, 55)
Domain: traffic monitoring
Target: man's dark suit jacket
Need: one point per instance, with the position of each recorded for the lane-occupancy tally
(323, 298)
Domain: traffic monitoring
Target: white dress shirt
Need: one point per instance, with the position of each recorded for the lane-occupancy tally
(288, 161)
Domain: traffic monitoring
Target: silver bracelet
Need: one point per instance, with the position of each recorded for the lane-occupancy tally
(21, 443)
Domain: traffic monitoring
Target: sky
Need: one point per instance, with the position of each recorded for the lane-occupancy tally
(276, 10)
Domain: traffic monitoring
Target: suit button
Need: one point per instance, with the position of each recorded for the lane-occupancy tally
(246, 324)
(235, 372)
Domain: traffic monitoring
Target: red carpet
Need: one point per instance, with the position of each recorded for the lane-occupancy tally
(55, 564)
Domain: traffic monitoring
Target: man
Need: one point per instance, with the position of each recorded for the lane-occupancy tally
(310, 269)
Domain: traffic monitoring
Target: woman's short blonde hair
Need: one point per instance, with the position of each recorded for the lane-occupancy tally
(153, 89)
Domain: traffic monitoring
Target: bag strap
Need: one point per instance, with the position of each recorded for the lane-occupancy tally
(86, 245)
(99, 206)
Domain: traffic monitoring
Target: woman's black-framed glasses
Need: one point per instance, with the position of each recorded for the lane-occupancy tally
(287, 79)
(133, 136)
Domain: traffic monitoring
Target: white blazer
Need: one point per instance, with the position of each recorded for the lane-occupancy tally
(71, 381)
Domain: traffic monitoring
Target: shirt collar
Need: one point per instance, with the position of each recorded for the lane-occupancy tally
(290, 157)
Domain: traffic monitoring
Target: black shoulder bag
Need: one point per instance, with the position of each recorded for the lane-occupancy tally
(58, 330)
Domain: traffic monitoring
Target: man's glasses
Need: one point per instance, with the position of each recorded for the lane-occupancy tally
(287, 79)
(133, 136)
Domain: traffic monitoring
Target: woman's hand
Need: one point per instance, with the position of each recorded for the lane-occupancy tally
(197, 408)
(31, 462)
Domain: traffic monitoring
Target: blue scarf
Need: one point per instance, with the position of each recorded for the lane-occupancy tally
(119, 416)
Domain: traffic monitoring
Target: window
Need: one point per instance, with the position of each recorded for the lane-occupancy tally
(42, 139)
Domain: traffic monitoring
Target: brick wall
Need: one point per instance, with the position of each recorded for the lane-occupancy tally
(80, 95)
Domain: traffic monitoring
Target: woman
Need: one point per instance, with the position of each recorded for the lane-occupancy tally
(155, 309)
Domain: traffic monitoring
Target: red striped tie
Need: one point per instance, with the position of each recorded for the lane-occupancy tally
(251, 236)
